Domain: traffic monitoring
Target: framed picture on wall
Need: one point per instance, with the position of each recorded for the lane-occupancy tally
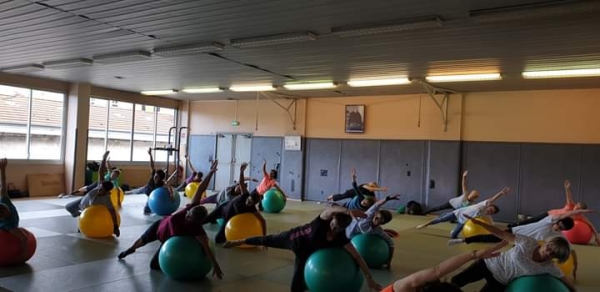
(355, 118)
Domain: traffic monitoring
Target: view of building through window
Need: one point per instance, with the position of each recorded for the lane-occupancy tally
(31, 123)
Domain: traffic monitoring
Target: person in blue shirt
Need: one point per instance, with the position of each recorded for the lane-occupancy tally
(362, 197)
(9, 217)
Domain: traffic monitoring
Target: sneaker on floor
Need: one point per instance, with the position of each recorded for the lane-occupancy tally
(456, 241)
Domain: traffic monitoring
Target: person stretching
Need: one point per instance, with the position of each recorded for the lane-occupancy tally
(428, 280)
(244, 203)
(569, 206)
(372, 224)
(157, 180)
(185, 222)
(361, 197)
(466, 199)
(196, 176)
(98, 196)
(484, 208)
(226, 194)
(526, 258)
(325, 231)
(269, 181)
(9, 217)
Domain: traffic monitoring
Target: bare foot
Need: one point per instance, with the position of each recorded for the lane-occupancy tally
(234, 243)
(421, 226)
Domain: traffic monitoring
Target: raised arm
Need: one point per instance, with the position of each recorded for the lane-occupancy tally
(568, 194)
(204, 185)
(264, 168)
(189, 162)
(102, 170)
(382, 202)
(241, 180)
(4, 186)
(332, 210)
(571, 213)
(506, 236)
(464, 182)
(497, 196)
(151, 160)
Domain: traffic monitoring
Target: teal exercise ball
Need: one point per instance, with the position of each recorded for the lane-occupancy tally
(273, 201)
(161, 203)
(538, 283)
(373, 249)
(332, 270)
(182, 258)
(220, 221)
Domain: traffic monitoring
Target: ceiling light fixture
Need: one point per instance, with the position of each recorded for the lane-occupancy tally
(561, 73)
(387, 27)
(159, 92)
(188, 49)
(464, 77)
(378, 82)
(24, 68)
(64, 64)
(309, 86)
(202, 90)
(122, 57)
(276, 39)
(252, 88)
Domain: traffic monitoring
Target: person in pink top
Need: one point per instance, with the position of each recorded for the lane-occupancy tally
(185, 222)
(569, 206)
(269, 181)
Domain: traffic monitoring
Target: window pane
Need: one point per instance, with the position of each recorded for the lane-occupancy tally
(46, 125)
(14, 113)
(166, 120)
(97, 128)
(143, 132)
(119, 130)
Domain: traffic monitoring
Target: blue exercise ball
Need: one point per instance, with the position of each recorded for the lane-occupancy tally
(273, 201)
(182, 258)
(373, 249)
(161, 203)
(538, 283)
(332, 270)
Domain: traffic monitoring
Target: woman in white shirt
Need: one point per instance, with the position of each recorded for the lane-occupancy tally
(466, 199)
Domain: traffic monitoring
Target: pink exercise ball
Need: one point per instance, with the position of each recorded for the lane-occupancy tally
(581, 233)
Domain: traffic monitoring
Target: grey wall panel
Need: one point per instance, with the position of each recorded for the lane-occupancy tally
(291, 174)
(362, 155)
(491, 167)
(544, 167)
(401, 170)
(590, 182)
(322, 168)
(267, 148)
(202, 151)
(442, 181)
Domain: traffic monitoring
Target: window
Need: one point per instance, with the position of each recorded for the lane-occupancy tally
(128, 130)
(31, 123)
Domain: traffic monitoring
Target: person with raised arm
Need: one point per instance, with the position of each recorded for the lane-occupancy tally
(467, 198)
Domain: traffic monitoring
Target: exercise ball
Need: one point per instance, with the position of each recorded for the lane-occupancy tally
(331, 270)
(96, 221)
(161, 203)
(471, 229)
(273, 201)
(182, 258)
(191, 188)
(373, 249)
(242, 226)
(581, 233)
(117, 196)
(538, 283)
(10, 248)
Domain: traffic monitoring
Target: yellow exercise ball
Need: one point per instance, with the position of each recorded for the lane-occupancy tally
(95, 221)
(117, 196)
(243, 226)
(471, 229)
(191, 188)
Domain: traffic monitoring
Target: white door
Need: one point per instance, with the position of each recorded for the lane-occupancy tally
(225, 158)
(242, 154)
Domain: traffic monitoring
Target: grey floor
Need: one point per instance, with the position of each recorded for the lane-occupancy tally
(67, 261)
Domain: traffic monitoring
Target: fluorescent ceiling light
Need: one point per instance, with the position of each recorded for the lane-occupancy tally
(464, 77)
(188, 49)
(284, 38)
(253, 88)
(202, 90)
(309, 86)
(387, 27)
(73, 63)
(122, 57)
(158, 92)
(24, 68)
(561, 73)
(378, 82)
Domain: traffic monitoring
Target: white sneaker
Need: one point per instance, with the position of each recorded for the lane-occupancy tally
(456, 241)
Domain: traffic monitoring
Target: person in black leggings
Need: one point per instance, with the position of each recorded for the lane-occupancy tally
(325, 231)
(362, 197)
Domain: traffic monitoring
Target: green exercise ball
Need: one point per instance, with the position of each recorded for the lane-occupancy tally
(220, 221)
(183, 259)
(538, 283)
(373, 249)
(273, 201)
(332, 270)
